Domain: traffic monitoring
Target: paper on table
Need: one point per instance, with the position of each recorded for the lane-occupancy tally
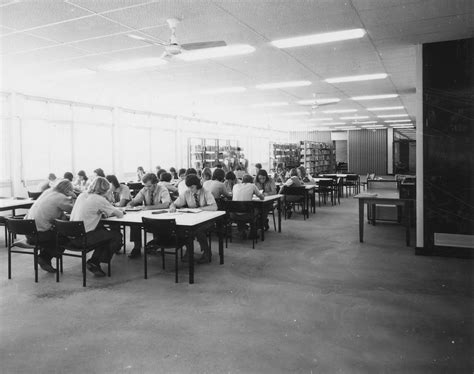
(133, 208)
(189, 210)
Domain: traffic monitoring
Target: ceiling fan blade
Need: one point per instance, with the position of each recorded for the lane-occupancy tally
(202, 45)
(331, 103)
(146, 40)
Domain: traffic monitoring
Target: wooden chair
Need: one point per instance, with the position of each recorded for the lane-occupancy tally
(165, 237)
(19, 226)
(295, 196)
(34, 195)
(243, 212)
(68, 233)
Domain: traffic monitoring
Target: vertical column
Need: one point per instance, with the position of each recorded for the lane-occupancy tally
(419, 147)
(18, 184)
(389, 151)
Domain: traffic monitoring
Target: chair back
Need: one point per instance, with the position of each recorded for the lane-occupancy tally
(70, 229)
(232, 206)
(352, 177)
(325, 183)
(164, 230)
(135, 188)
(21, 226)
(293, 191)
(34, 195)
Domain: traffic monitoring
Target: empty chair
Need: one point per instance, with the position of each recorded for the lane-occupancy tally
(165, 237)
(352, 184)
(242, 212)
(325, 189)
(71, 241)
(19, 226)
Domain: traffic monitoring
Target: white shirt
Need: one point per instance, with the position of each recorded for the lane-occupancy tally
(245, 192)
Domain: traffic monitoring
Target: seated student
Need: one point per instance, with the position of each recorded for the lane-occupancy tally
(174, 174)
(303, 176)
(206, 175)
(82, 182)
(216, 185)
(140, 173)
(52, 180)
(244, 192)
(45, 210)
(196, 197)
(165, 181)
(90, 207)
(239, 172)
(292, 181)
(152, 196)
(99, 173)
(69, 176)
(267, 186)
(258, 167)
(230, 181)
(279, 175)
(182, 185)
(119, 193)
(159, 173)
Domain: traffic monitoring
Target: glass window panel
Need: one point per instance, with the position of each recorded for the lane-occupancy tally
(136, 148)
(35, 147)
(93, 147)
(35, 109)
(60, 112)
(60, 148)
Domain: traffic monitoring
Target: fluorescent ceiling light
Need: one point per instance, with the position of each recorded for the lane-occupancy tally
(73, 73)
(340, 111)
(354, 117)
(276, 103)
(137, 37)
(335, 123)
(357, 78)
(229, 50)
(295, 114)
(392, 115)
(374, 97)
(363, 122)
(385, 108)
(327, 37)
(371, 126)
(397, 120)
(320, 119)
(318, 101)
(345, 127)
(270, 86)
(403, 127)
(134, 64)
(223, 90)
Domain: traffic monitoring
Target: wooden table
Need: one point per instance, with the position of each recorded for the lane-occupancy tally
(380, 196)
(187, 223)
(15, 203)
(266, 205)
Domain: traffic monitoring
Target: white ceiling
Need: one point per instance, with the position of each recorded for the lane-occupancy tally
(41, 38)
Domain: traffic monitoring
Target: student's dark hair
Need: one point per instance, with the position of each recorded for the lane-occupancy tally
(140, 168)
(99, 172)
(206, 172)
(52, 176)
(191, 171)
(69, 176)
(113, 179)
(82, 174)
(219, 165)
(218, 175)
(150, 177)
(181, 172)
(173, 172)
(165, 177)
(193, 180)
(247, 178)
(258, 165)
(238, 168)
(293, 172)
(231, 176)
(159, 172)
(264, 173)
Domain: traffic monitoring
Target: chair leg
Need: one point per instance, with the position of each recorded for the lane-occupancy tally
(9, 261)
(274, 221)
(145, 264)
(6, 236)
(176, 266)
(58, 262)
(35, 261)
(163, 258)
(83, 268)
(109, 271)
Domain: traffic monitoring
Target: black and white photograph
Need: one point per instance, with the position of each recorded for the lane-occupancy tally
(236, 186)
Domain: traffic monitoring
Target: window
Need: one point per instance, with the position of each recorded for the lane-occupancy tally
(135, 148)
(93, 147)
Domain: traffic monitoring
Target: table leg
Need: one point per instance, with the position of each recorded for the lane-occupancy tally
(261, 209)
(220, 233)
(406, 208)
(279, 215)
(191, 258)
(361, 220)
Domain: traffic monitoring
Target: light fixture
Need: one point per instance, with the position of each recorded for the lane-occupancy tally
(354, 117)
(357, 78)
(335, 123)
(235, 89)
(320, 119)
(363, 122)
(392, 115)
(397, 120)
(371, 126)
(318, 101)
(374, 97)
(401, 124)
(270, 104)
(403, 127)
(270, 86)
(229, 50)
(345, 127)
(385, 108)
(295, 114)
(327, 37)
(140, 63)
(340, 111)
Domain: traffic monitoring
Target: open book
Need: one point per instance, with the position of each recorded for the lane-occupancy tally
(189, 210)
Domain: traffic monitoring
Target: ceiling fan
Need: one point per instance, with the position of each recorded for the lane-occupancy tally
(316, 103)
(173, 47)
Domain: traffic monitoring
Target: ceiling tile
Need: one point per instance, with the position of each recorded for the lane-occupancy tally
(99, 6)
(19, 42)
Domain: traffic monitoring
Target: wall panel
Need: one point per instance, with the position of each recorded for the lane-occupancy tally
(367, 151)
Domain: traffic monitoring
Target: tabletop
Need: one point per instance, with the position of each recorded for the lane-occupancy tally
(182, 219)
(12, 203)
(267, 198)
(388, 193)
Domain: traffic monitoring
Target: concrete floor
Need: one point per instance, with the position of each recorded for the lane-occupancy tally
(309, 300)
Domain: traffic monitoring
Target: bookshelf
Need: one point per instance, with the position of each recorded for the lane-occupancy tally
(317, 157)
(287, 154)
(208, 152)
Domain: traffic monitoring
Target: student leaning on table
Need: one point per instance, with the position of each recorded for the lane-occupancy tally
(90, 207)
(119, 193)
(50, 205)
(196, 197)
(267, 186)
(292, 181)
(151, 196)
